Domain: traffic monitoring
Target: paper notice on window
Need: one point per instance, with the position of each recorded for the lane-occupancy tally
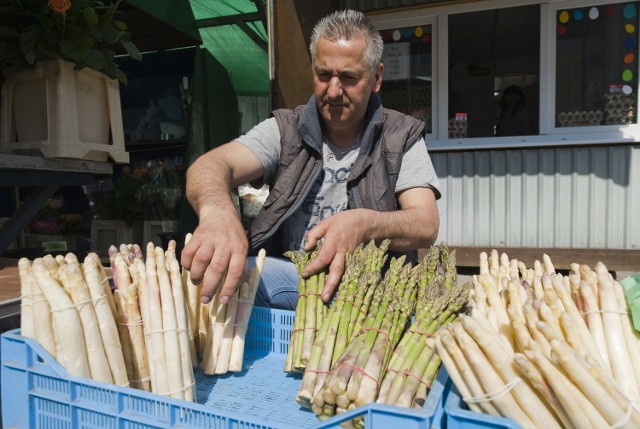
(396, 61)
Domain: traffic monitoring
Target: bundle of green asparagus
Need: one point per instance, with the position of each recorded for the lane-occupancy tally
(310, 312)
(355, 377)
(345, 316)
(353, 356)
(415, 363)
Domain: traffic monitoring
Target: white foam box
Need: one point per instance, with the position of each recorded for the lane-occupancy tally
(61, 113)
(151, 229)
(105, 233)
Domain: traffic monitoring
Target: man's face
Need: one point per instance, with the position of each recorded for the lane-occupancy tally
(343, 83)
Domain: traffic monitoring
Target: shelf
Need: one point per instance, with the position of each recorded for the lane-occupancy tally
(155, 145)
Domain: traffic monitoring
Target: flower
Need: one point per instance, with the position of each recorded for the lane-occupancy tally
(85, 32)
(60, 6)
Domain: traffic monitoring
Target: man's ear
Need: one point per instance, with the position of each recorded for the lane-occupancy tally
(377, 76)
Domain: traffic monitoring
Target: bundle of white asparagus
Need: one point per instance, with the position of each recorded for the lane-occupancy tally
(545, 349)
(153, 321)
(69, 309)
(222, 328)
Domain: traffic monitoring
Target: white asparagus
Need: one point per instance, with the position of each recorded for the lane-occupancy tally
(138, 272)
(536, 379)
(489, 284)
(121, 272)
(139, 356)
(577, 320)
(490, 379)
(621, 365)
(214, 335)
(104, 282)
(182, 319)
(192, 299)
(470, 388)
(501, 361)
(224, 350)
(67, 327)
(170, 329)
(26, 302)
(119, 296)
(595, 324)
(106, 322)
(613, 390)
(75, 285)
(42, 317)
(547, 264)
(531, 319)
(574, 402)
(579, 374)
(52, 266)
(158, 366)
(245, 305)
(630, 334)
(484, 263)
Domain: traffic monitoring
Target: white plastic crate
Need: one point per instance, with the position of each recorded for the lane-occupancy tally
(105, 233)
(62, 113)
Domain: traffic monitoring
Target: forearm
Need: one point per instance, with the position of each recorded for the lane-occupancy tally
(408, 229)
(208, 184)
(212, 176)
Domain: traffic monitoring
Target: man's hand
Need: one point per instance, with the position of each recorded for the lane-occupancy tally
(216, 253)
(342, 233)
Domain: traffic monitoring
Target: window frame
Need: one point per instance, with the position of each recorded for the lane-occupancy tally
(549, 135)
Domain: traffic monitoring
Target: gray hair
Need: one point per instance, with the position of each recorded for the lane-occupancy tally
(346, 25)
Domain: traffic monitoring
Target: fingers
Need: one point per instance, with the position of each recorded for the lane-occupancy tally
(336, 270)
(195, 258)
(214, 274)
(325, 257)
(232, 280)
(314, 235)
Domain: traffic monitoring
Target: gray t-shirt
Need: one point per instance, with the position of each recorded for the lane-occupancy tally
(328, 195)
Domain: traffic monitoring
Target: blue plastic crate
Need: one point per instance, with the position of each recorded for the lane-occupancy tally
(38, 393)
(459, 416)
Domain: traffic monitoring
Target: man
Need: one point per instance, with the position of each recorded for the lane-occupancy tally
(341, 169)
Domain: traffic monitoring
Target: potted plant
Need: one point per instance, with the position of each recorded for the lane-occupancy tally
(84, 32)
(61, 94)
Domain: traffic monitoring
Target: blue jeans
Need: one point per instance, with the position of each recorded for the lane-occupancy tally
(278, 286)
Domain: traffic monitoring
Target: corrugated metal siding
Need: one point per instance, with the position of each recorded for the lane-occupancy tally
(574, 197)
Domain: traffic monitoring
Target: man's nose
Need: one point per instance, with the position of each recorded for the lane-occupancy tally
(335, 87)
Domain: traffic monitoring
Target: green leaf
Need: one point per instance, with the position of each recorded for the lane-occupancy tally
(29, 39)
(132, 49)
(90, 15)
(95, 59)
(120, 25)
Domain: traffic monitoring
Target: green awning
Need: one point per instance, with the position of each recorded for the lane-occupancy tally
(234, 33)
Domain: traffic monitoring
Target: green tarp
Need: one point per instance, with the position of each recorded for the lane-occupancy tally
(245, 61)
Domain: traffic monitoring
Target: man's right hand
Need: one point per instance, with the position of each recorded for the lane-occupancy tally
(216, 255)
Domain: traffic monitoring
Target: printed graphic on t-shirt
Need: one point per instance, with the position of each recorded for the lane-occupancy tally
(327, 197)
